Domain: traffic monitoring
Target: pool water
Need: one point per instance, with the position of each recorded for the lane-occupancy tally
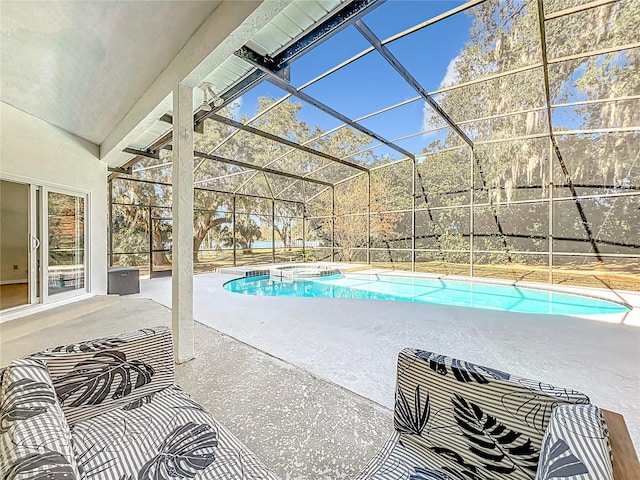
(428, 290)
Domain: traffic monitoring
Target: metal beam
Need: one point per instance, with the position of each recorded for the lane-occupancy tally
(404, 73)
(596, 101)
(285, 141)
(147, 153)
(242, 86)
(251, 120)
(233, 230)
(123, 171)
(131, 162)
(356, 175)
(201, 189)
(440, 90)
(313, 197)
(222, 177)
(279, 64)
(587, 131)
(238, 163)
(333, 223)
(283, 155)
(264, 175)
(391, 39)
(464, 122)
(200, 116)
(594, 53)
(554, 144)
(339, 20)
(433, 20)
(258, 61)
(308, 175)
(410, 79)
(258, 168)
(579, 8)
(247, 128)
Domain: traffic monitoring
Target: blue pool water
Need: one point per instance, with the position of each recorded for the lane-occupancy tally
(427, 290)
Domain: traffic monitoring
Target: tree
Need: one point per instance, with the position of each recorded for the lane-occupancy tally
(247, 232)
(389, 191)
(142, 205)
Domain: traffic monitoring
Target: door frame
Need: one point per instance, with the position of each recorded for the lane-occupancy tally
(35, 242)
(42, 256)
(44, 244)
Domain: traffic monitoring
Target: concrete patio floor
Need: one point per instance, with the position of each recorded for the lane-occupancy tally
(301, 426)
(354, 343)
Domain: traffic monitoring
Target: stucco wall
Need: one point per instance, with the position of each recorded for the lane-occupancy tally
(35, 151)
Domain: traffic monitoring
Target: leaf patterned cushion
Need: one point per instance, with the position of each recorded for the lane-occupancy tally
(459, 421)
(576, 445)
(164, 435)
(35, 442)
(398, 461)
(95, 376)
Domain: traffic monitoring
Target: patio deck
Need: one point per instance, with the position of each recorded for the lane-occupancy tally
(354, 343)
(301, 426)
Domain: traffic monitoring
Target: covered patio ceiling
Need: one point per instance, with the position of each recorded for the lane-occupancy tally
(82, 65)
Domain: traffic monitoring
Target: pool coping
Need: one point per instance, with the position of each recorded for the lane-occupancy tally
(610, 295)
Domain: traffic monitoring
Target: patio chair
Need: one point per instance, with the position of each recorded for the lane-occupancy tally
(108, 409)
(454, 420)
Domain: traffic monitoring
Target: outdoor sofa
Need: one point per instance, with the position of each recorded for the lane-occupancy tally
(109, 409)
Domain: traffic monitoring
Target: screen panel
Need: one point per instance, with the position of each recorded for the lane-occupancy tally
(512, 170)
(599, 163)
(391, 187)
(443, 229)
(613, 225)
(444, 178)
(391, 230)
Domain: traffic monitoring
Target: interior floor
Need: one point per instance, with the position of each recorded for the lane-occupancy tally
(14, 295)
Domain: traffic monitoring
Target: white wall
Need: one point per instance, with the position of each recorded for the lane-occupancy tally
(14, 231)
(37, 152)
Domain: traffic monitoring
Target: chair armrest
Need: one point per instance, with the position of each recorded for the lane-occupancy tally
(625, 459)
(576, 444)
(35, 440)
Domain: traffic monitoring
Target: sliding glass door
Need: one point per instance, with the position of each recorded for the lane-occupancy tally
(65, 246)
(43, 247)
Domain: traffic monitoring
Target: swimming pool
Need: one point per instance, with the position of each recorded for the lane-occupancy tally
(427, 290)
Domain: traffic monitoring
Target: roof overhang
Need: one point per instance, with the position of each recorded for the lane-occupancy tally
(231, 26)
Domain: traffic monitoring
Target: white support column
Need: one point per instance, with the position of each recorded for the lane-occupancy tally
(182, 213)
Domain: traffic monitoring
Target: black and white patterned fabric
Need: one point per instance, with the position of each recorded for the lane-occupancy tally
(95, 376)
(576, 445)
(164, 435)
(35, 442)
(455, 420)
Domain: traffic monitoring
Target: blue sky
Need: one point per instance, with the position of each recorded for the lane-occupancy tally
(370, 84)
